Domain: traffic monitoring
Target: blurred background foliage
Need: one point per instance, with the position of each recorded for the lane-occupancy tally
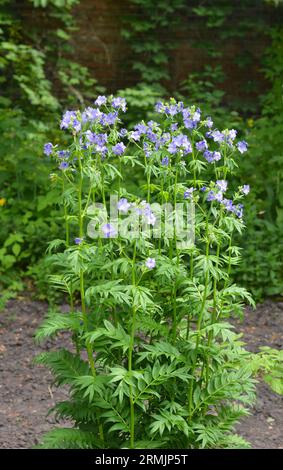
(40, 76)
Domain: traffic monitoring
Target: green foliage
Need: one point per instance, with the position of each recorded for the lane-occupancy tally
(30, 63)
(275, 2)
(56, 3)
(27, 215)
(150, 20)
(262, 267)
(28, 76)
(66, 438)
(156, 362)
(141, 100)
(56, 322)
(268, 362)
(39, 76)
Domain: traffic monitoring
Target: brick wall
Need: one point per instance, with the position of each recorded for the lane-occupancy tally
(98, 43)
(99, 46)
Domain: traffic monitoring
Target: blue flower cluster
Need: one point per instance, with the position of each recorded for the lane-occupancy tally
(92, 126)
(143, 209)
(185, 134)
(176, 142)
(217, 194)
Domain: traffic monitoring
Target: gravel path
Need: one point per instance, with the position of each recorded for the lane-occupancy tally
(27, 394)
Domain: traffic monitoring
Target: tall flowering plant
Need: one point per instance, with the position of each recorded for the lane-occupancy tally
(155, 362)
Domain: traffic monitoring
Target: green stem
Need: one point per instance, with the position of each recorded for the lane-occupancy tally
(191, 277)
(191, 258)
(119, 178)
(87, 201)
(147, 178)
(162, 201)
(174, 325)
(199, 325)
(130, 357)
(214, 312)
(229, 263)
(194, 167)
(67, 228)
(82, 289)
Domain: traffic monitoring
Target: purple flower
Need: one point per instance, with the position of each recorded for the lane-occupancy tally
(109, 231)
(165, 161)
(91, 114)
(189, 193)
(228, 203)
(153, 125)
(100, 100)
(100, 148)
(152, 136)
(146, 149)
(150, 263)
(98, 139)
(78, 241)
(196, 115)
(135, 135)
(123, 132)
(48, 149)
(150, 217)
(172, 148)
(63, 165)
(216, 156)
(70, 120)
(147, 213)
(119, 148)
(202, 145)
(246, 189)
(186, 113)
(63, 153)
(91, 137)
(141, 128)
(190, 124)
(242, 146)
(203, 188)
(101, 139)
(217, 136)
(119, 103)
(123, 205)
(166, 137)
(109, 119)
(174, 127)
(212, 156)
(208, 155)
(163, 140)
(232, 134)
(180, 142)
(219, 196)
(68, 117)
(76, 125)
(159, 107)
(239, 211)
(173, 110)
(210, 196)
(222, 185)
(208, 122)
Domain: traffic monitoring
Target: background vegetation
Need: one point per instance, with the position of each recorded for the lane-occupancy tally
(39, 78)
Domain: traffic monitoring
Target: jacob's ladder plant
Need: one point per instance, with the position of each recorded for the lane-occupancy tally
(155, 362)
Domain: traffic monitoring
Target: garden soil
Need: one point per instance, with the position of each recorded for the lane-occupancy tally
(27, 392)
